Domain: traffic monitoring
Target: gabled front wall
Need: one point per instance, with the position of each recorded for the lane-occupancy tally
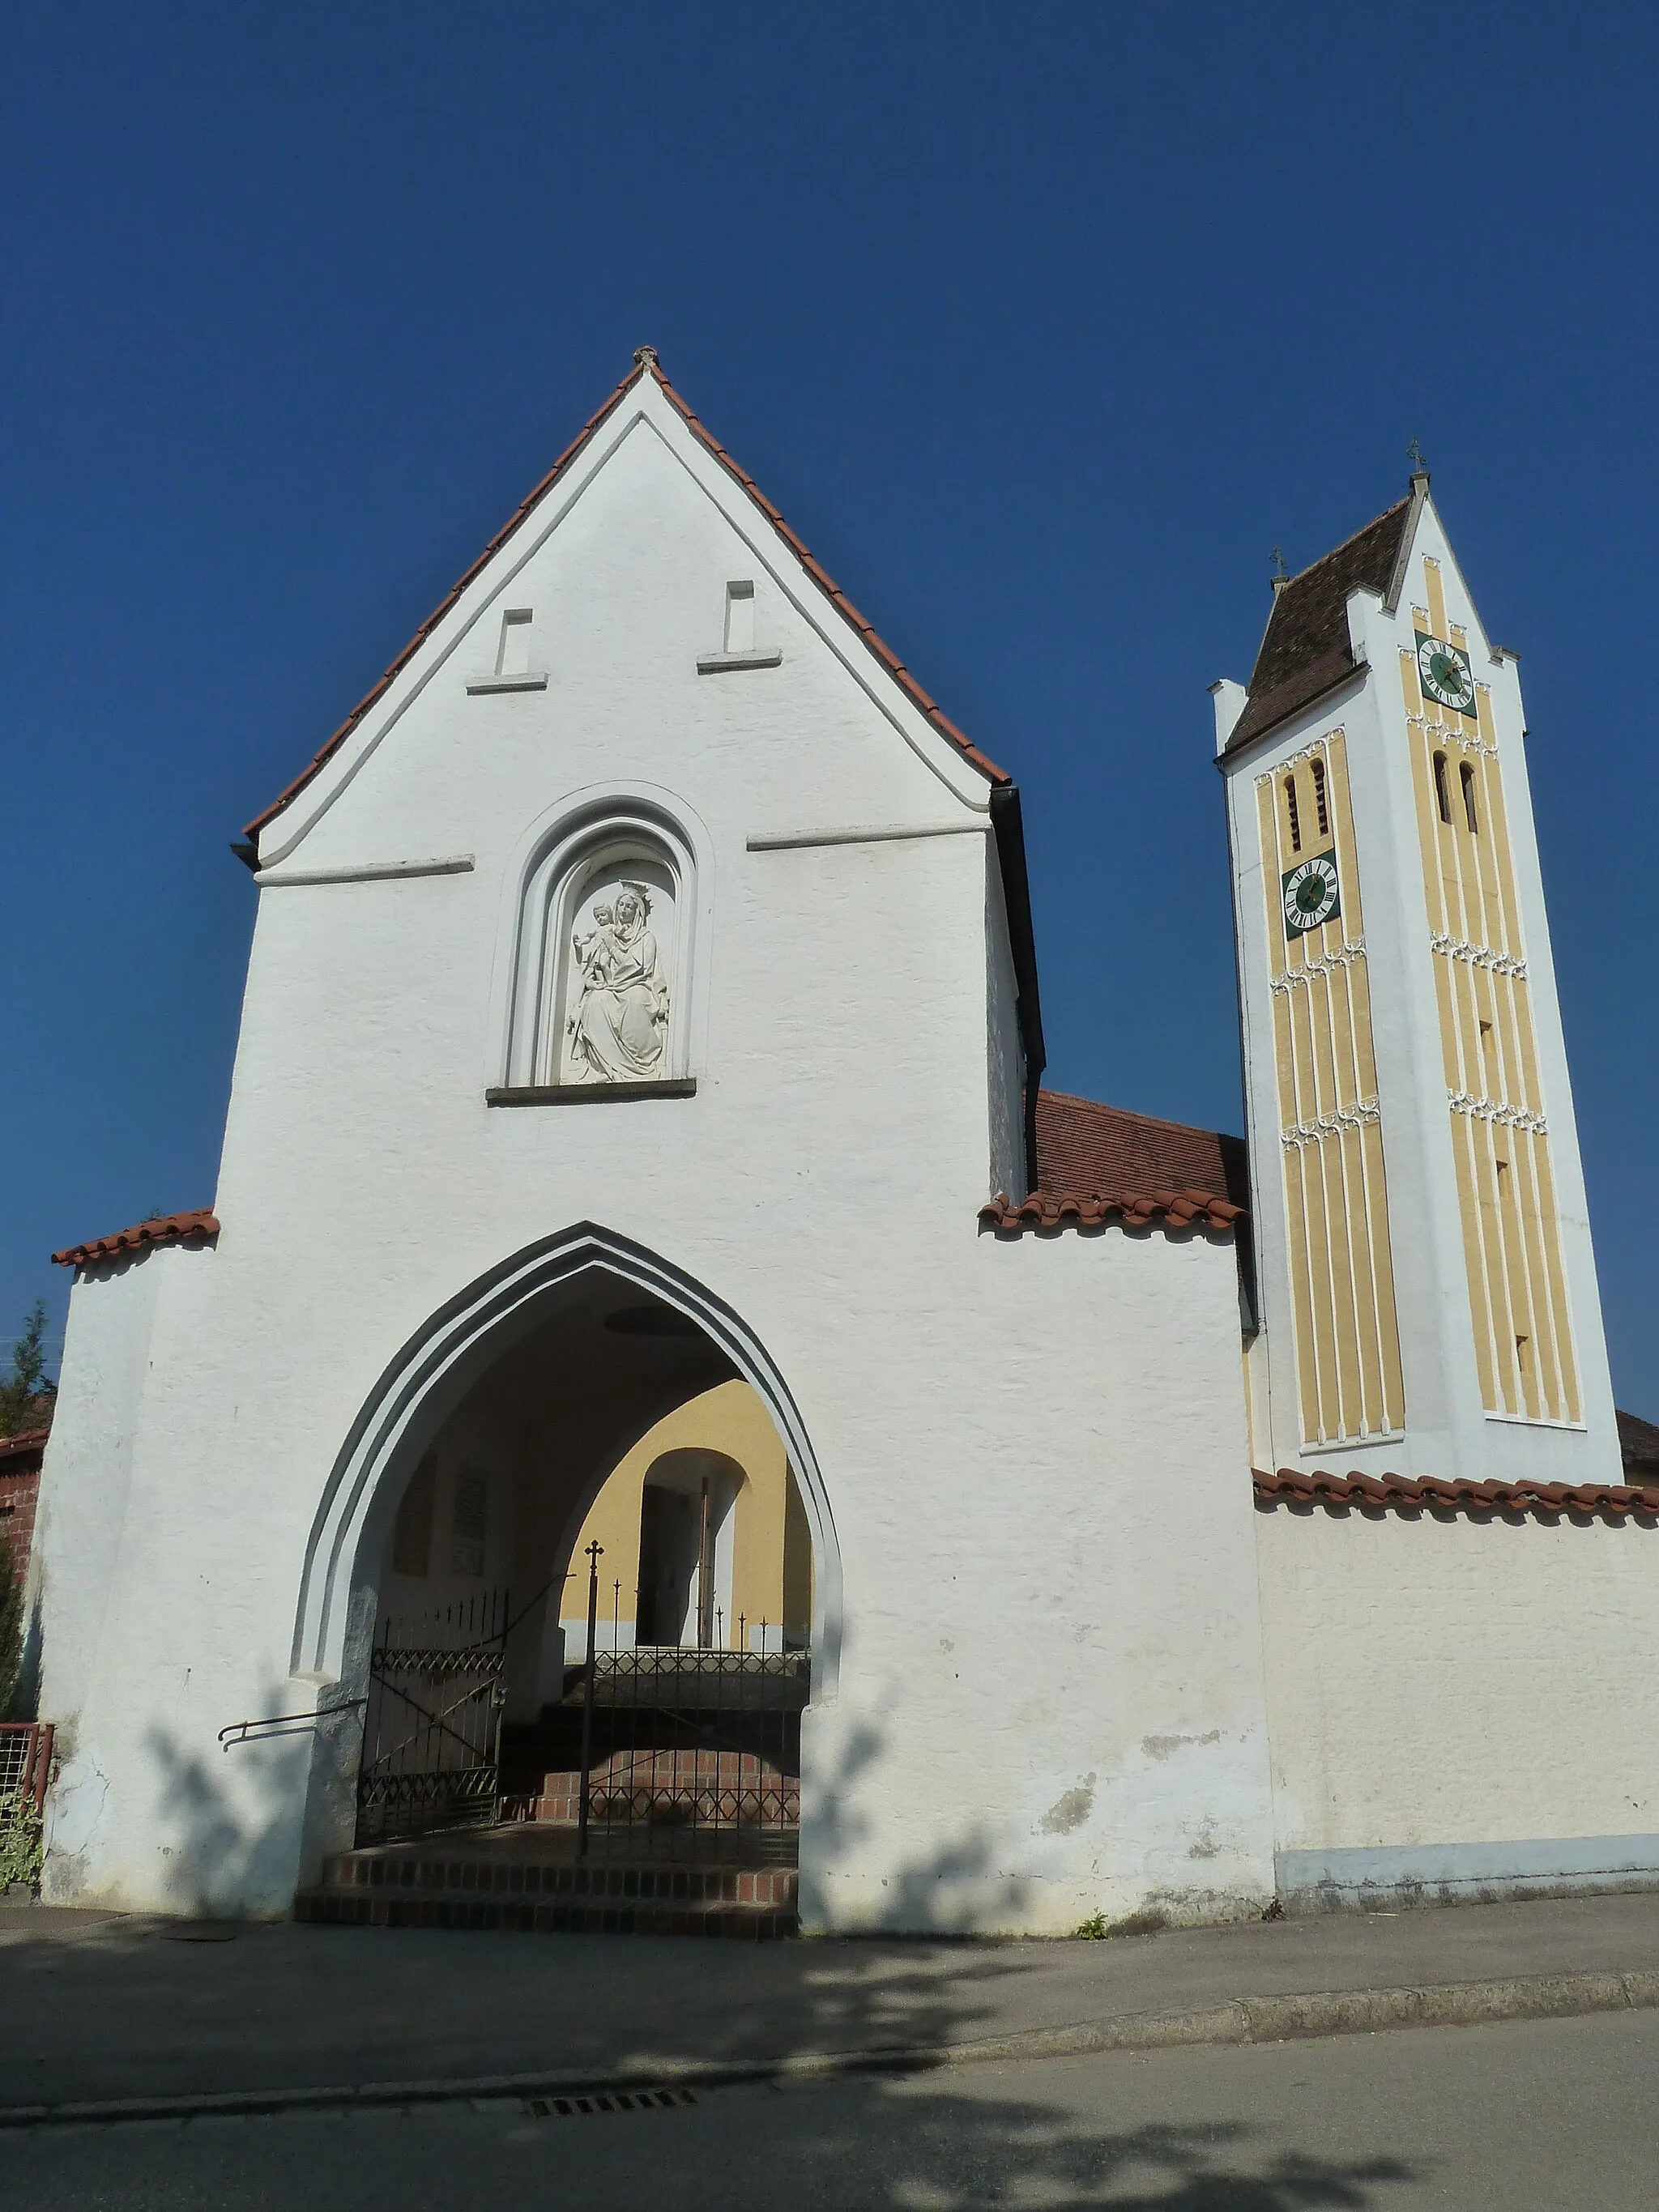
(1001, 1429)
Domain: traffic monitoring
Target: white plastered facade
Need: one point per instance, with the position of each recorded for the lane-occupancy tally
(1038, 1690)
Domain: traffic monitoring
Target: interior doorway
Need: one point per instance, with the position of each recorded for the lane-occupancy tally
(687, 1506)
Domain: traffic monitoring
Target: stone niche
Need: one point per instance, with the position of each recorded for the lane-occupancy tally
(613, 1003)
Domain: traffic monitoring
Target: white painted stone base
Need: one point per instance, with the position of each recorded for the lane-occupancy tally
(1465, 1874)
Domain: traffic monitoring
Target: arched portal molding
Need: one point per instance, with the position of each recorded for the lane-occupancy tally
(446, 1354)
(586, 839)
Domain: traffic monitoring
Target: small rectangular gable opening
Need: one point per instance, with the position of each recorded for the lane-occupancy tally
(513, 654)
(740, 617)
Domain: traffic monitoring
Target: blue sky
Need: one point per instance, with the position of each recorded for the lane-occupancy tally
(1043, 325)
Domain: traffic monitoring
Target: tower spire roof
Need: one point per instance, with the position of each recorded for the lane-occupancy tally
(1306, 649)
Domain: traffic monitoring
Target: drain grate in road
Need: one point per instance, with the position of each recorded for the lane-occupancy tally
(611, 2100)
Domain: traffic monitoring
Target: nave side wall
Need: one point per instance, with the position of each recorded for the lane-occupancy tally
(1459, 1707)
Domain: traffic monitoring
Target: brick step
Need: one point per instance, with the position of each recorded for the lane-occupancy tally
(682, 1769)
(399, 1908)
(513, 1879)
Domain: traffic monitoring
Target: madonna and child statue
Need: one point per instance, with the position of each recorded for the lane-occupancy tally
(616, 1028)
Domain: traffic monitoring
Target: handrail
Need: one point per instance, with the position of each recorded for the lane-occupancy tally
(280, 1725)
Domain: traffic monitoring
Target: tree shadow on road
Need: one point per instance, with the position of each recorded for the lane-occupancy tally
(298, 2007)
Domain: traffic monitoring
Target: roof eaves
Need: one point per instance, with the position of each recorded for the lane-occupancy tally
(1400, 1493)
(201, 1225)
(1294, 701)
(1050, 1212)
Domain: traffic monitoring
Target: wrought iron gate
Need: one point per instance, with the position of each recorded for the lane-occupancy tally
(680, 1750)
(682, 1742)
(432, 1723)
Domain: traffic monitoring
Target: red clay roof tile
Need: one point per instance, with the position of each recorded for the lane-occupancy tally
(164, 1229)
(1096, 1162)
(645, 360)
(1639, 1443)
(1083, 1145)
(1170, 1209)
(1307, 649)
(1402, 1493)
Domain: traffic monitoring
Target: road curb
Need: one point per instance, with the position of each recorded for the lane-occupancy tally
(1237, 2021)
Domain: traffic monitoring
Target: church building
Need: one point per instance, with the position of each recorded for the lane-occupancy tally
(667, 1423)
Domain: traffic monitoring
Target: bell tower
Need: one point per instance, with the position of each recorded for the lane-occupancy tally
(1428, 1296)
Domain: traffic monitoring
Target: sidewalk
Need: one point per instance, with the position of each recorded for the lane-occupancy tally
(95, 2007)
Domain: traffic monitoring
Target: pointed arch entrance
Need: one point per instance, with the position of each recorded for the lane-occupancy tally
(578, 1346)
(433, 1372)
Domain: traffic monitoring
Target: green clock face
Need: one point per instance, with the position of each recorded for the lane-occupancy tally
(1311, 895)
(1447, 676)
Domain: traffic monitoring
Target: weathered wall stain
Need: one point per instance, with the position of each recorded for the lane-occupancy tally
(1164, 1747)
(1069, 1811)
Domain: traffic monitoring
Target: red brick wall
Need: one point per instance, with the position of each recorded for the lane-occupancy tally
(20, 1493)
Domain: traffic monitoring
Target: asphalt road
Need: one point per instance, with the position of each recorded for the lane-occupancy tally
(1523, 2116)
(92, 2007)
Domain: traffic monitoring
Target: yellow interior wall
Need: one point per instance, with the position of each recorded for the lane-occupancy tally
(772, 1544)
(1512, 1231)
(1342, 1295)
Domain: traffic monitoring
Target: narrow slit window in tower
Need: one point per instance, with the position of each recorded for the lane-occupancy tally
(1290, 808)
(1443, 796)
(1466, 774)
(1320, 808)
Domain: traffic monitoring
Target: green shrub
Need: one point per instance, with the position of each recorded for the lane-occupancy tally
(20, 1841)
(11, 1629)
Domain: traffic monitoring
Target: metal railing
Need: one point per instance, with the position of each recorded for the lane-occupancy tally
(681, 1749)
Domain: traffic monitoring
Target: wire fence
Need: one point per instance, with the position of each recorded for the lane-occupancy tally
(25, 1762)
